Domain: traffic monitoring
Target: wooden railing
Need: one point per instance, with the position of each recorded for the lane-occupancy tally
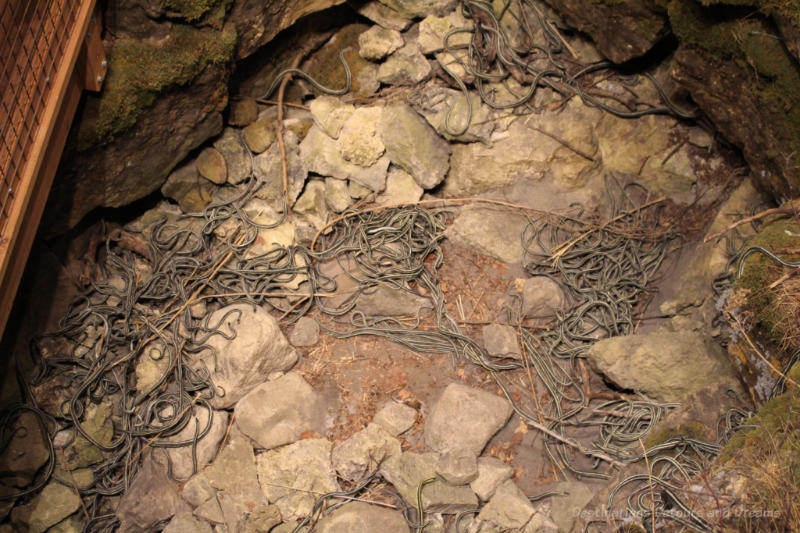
(50, 51)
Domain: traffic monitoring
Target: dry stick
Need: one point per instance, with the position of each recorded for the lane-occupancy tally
(785, 210)
(652, 492)
(281, 144)
(758, 352)
(382, 504)
(287, 104)
(782, 279)
(562, 141)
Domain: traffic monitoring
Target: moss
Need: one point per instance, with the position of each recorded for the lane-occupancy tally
(193, 10)
(140, 71)
(760, 272)
(693, 429)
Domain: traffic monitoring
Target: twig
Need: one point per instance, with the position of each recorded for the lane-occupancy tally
(784, 210)
(757, 351)
(562, 141)
(287, 104)
(652, 492)
(281, 143)
(287, 487)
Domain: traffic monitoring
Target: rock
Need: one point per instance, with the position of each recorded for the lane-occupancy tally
(197, 490)
(298, 126)
(267, 169)
(24, 453)
(49, 507)
(420, 8)
(243, 112)
(457, 468)
(186, 523)
(377, 43)
(80, 452)
(82, 478)
(407, 66)
(541, 297)
(233, 472)
(151, 498)
(211, 165)
(357, 191)
(491, 473)
(337, 195)
(189, 189)
(305, 332)
(501, 341)
(464, 407)
(565, 509)
(321, 155)
(360, 517)
(407, 470)
(362, 453)
(330, 113)
(359, 141)
(433, 29)
(206, 447)
(508, 508)
(237, 159)
(540, 522)
(382, 15)
(278, 412)
(396, 418)
(412, 145)
(210, 511)
(311, 205)
(71, 525)
(447, 111)
(490, 231)
(258, 349)
(635, 30)
(327, 66)
(151, 366)
(384, 300)
(665, 366)
(263, 519)
(401, 188)
(259, 135)
(304, 465)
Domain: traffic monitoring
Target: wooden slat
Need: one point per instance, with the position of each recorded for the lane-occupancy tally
(41, 165)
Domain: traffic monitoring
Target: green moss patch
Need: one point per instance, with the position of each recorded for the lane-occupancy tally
(193, 10)
(139, 71)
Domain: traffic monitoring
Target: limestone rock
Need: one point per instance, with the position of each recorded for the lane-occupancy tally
(311, 205)
(211, 165)
(490, 231)
(304, 465)
(305, 332)
(407, 470)
(407, 66)
(357, 191)
(508, 508)
(401, 188)
(665, 366)
(359, 140)
(433, 29)
(237, 159)
(541, 297)
(233, 472)
(420, 8)
(278, 412)
(464, 407)
(360, 517)
(267, 169)
(457, 468)
(501, 341)
(25, 452)
(414, 146)
(52, 505)
(377, 43)
(189, 189)
(564, 509)
(243, 112)
(396, 418)
(337, 195)
(197, 490)
(363, 452)
(330, 113)
(384, 300)
(151, 366)
(382, 15)
(321, 155)
(186, 523)
(263, 519)
(259, 135)
(491, 473)
(246, 360)
(80, 452)
(447, 111)
(206, 447)
(210, 511)
(151, 498)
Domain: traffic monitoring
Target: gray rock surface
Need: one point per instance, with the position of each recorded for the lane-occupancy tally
(360, 517)
(364, 452)
(407, 470)
(263, 519)
(330, 113)
(432, 30)
(210, 511)
(420, 8)
(52, 505)
(337, 195)
(321, 155)
(260, 134)
(447, 111)
(382, 15)
(396, 418)
(210, 164)
(197, 490)
(151, 498)
(185, 185)
(278, 412)
(500, 340)
(305, 332)
(233, 472)
(508, 507)
(407, 66)
(665, 366)
(24, 452)
(79, 452)
(206, 447)
(462, 407)
(359, 139)
(565, 509)
(541, 297)
(413, 145)
(232, 147)
(457, 468)
(378, 42)
(491, 473)
(151, 366)
(267, 169)
(312, 206)
(184, 522)
(304, 465)
(258, 349)
(401, 188)
(494, 232)
(388, 301)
